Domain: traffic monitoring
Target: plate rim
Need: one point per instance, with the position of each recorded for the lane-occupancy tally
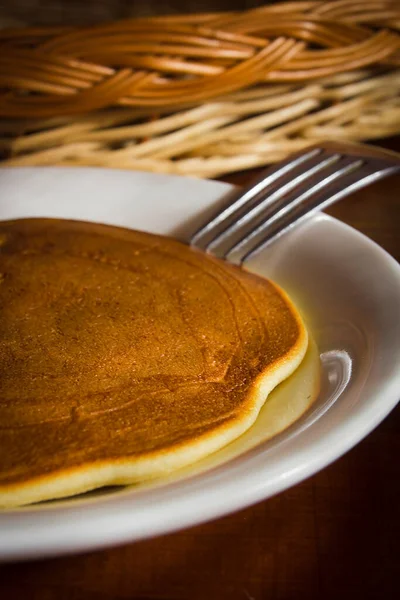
(350, 432)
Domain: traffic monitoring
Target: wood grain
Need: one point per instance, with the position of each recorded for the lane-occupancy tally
(332, 536)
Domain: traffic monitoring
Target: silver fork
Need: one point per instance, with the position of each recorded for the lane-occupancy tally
(289, 192)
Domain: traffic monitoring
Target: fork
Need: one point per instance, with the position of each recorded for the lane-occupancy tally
(289, 192)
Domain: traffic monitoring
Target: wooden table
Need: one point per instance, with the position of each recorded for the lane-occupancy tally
(334, 536)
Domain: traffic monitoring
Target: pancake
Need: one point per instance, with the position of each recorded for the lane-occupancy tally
(126, 355)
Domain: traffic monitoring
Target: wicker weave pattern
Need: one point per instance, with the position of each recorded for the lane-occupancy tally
(246, 129)
(170, 62)
(201, 95)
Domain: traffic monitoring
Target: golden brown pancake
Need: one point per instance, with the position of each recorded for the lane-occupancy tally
(125, 355)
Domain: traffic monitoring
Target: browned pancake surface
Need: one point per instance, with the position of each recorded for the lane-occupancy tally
(116, 344)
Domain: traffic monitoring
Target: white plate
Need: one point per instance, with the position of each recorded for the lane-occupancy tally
(347, 287)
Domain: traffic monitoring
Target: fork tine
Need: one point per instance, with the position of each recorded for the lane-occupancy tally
(287, 193)
(353, 176)
(253, 191)
(269, 204)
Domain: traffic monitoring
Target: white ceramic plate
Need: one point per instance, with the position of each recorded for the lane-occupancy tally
(349, 291)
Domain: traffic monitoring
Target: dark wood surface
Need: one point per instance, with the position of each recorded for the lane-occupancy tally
(334, 536)
(76, 12)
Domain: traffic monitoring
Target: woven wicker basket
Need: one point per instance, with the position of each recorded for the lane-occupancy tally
(203, 94)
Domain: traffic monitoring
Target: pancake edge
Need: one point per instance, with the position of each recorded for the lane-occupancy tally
(64, 484)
